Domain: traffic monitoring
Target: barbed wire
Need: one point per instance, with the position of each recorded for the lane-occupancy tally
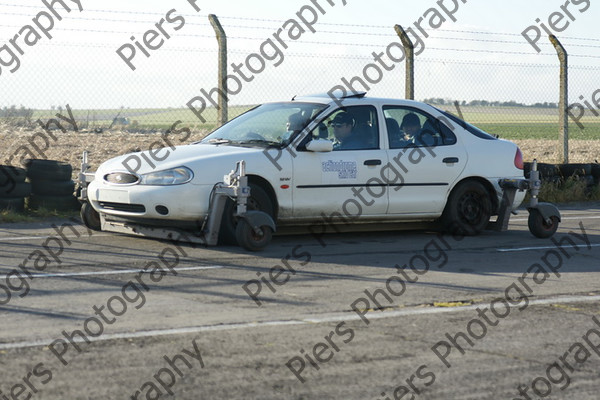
(207, 23)
(347, 43)
(373, 45)
(340, 56)
(226, 17)
(105, 11)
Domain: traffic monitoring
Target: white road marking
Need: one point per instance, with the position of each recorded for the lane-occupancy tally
(331, 318)
(18, 238)
(112, 272)
(543, 248)
(562, 218)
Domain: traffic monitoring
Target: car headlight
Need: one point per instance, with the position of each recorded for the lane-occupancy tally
(173, 176)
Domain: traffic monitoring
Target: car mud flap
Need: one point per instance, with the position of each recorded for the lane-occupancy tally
(547, 210)
(504, 209)
(257, 219)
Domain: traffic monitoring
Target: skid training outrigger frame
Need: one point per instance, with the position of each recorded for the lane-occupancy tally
(543, 217)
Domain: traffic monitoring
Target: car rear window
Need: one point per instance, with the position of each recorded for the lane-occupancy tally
(470, 128)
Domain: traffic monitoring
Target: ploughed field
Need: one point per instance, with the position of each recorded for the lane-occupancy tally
(69, 146)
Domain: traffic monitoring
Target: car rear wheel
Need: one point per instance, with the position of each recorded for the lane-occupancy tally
(259, 200)
(468, 209)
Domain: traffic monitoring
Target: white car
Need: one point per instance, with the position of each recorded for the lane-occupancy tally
(316, 161)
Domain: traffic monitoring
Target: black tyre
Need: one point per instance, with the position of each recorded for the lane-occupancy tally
(22, 189)
(90, 217)
(48, 170)
(58, 203)
(567, 170)
(547, 170)
(555, 180)
(259, 200)
(538, 227)
(468, 209)
(526, 169)
(251, 240)
(588, 179)
(10, 175)
(12, 204)
(52, 188)
(596, 173)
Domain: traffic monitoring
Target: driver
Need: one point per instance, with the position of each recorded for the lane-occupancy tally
(346, 138)
(411, 125)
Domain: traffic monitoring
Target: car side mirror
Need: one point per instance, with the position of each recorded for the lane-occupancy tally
(320, 146)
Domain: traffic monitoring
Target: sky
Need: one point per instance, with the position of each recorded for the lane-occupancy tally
(481, 55)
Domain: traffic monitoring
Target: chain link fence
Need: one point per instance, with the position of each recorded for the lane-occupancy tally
(498, 81)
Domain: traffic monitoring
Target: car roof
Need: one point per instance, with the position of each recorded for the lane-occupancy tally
(354, 99)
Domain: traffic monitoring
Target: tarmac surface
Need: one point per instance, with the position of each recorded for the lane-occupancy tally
(379, 315)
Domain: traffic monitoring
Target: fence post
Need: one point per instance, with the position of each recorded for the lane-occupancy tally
(409, 51)
(222, 85)
(563, 104)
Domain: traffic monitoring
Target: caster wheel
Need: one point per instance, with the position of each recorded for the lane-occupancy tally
(538, 227)
(251, 240)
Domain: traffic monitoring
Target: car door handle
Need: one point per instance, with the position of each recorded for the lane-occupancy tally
(372, 162)
(450, 160)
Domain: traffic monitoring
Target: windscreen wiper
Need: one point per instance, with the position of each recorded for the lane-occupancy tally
(259, 141)
(219, 141)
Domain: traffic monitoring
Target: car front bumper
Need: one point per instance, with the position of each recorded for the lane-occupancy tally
(177, 202)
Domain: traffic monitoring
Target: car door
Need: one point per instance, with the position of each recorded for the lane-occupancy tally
(345, 183)
(426, 165)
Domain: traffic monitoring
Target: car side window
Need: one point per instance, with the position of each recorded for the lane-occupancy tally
(410, 127)
(350, 128)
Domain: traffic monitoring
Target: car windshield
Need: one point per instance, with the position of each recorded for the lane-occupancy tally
(273, 124)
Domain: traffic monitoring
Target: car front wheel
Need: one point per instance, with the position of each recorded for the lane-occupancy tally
(468, 209)
(90, 217)
(259, 200)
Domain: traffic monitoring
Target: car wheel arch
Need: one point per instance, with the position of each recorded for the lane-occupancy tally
(267, 187)
(488, 186)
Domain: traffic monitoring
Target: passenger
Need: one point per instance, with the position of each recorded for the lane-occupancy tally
(411, 126)
(296, 122)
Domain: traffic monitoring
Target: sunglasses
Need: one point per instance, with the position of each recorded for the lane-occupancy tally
(337, 124)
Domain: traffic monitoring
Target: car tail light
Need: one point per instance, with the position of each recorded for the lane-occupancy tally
(519, 159)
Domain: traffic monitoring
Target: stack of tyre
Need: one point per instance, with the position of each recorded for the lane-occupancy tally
(51, 185)
(596, 173)
(559, 173)
(581, 172)
(13, 188)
